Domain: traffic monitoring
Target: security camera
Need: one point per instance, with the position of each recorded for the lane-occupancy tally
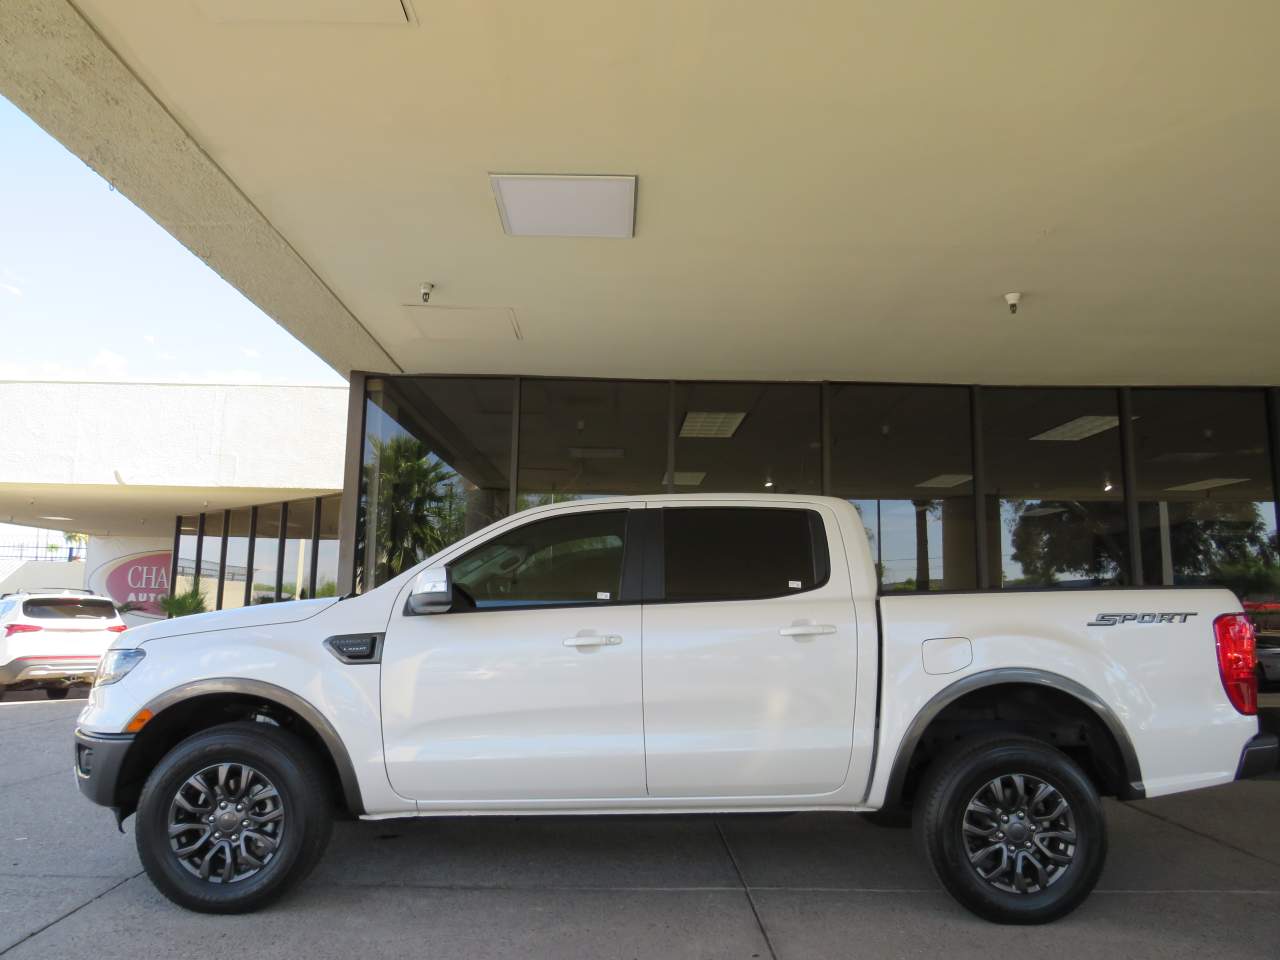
(426, 291)
(1012, 299)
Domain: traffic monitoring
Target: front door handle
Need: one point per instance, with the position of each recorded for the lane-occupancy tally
(806, 630)
(608, 640)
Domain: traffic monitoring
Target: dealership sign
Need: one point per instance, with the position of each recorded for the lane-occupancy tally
(141, 579)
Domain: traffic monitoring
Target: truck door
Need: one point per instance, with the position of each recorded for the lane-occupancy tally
(529, 687)
(750, 652)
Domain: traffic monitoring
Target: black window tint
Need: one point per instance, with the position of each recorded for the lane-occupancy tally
(571, 559)
(69, 609)
(741, 553)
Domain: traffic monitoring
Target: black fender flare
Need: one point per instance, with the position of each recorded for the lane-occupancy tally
(285, 698)
(1004, 676)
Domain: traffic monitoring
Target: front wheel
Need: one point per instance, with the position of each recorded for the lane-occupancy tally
(232, 817)
(1013, 829)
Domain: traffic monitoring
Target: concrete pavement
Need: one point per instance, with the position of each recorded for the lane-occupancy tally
(1196, 876)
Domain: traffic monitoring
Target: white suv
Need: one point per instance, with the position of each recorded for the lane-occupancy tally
(53, 639)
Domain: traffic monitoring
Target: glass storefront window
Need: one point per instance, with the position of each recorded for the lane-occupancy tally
(299, 521)
(326, 557)
(591, 438)
(210, 559)
(233, 578)
(188, 536)
(903, 456)
(1205, 498)
(1055, 490)
(437, 459)
(748, 437)
(266, 550)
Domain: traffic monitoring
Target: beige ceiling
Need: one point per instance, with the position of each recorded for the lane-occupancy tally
(129, 511)
(840, 189)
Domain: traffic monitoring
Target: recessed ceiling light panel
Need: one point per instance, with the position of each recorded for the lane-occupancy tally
(1210, 484)
(1079, 428)
(687, 478)
(547, 205)
(711, 424)
(946, 480)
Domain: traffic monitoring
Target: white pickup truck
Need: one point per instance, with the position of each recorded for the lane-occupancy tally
(671, 654)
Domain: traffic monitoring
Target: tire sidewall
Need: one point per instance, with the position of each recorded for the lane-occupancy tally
(944, 815)
(228, 745)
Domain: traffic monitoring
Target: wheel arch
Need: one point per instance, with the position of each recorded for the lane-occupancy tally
(1126, 780)
(190, 707)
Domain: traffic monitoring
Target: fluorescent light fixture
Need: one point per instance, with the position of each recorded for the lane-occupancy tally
(595, 453)
(946, 480)
(538, 205)
(1207, 484)
(54, 518)
(1079, 428)
(688, 478)
(710, 424)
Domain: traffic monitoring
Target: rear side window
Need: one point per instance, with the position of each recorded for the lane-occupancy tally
(573, 559)
(742, 553)
(69, 608)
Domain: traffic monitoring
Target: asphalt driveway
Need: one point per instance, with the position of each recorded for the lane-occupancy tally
(1195, 876)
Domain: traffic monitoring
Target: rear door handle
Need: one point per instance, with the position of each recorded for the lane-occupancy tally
(806, 630)
(608, 640)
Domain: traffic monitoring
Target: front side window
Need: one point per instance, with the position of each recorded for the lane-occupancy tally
(572, 559)
(741, 553)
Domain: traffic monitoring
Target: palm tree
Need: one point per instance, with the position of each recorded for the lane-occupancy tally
(417, 508)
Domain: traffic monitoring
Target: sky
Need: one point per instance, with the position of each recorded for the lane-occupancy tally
(92, 289)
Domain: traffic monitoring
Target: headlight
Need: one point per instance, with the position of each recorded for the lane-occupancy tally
(115, 664)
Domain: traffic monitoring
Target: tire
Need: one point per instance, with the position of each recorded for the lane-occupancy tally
(1017, 891)
(56, 693)
(237, 762)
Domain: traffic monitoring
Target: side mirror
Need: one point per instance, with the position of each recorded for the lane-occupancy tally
(432, 592)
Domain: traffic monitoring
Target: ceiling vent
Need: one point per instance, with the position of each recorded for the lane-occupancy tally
(538, 205)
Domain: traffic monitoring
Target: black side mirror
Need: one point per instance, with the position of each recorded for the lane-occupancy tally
(432, 592)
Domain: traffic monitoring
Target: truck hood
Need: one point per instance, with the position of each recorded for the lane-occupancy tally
(262, 615)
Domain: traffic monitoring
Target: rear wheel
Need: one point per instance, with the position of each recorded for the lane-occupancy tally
(1013, 829)
(232, 817)
(56, 693)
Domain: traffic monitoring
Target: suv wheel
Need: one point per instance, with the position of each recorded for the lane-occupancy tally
(232, 817)
(1013, 829)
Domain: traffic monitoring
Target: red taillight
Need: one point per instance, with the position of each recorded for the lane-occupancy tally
(1238, 661)
(118, 628)
(13, 628)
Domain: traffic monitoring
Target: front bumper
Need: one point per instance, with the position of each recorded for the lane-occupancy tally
(1260, 755)
(48, 670)
(99, 759)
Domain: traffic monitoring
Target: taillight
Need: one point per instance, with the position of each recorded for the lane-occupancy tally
(118, 628)
(1238, 661)
(13, 628)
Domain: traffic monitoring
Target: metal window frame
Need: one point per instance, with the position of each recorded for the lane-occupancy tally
(248, 563)
(281, 539)
(195, 573)
(222, 557)
(313, 568)
(173, 559)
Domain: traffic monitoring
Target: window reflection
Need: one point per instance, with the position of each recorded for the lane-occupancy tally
(326, 559)
(1205, 497)
(437, 457)
(748, 437)
(266, 551)
(903, 457)
(188, 535)
(1055, 492)
(591, 438)
(299, 520)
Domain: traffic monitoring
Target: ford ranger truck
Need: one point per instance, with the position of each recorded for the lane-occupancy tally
(671, 654)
